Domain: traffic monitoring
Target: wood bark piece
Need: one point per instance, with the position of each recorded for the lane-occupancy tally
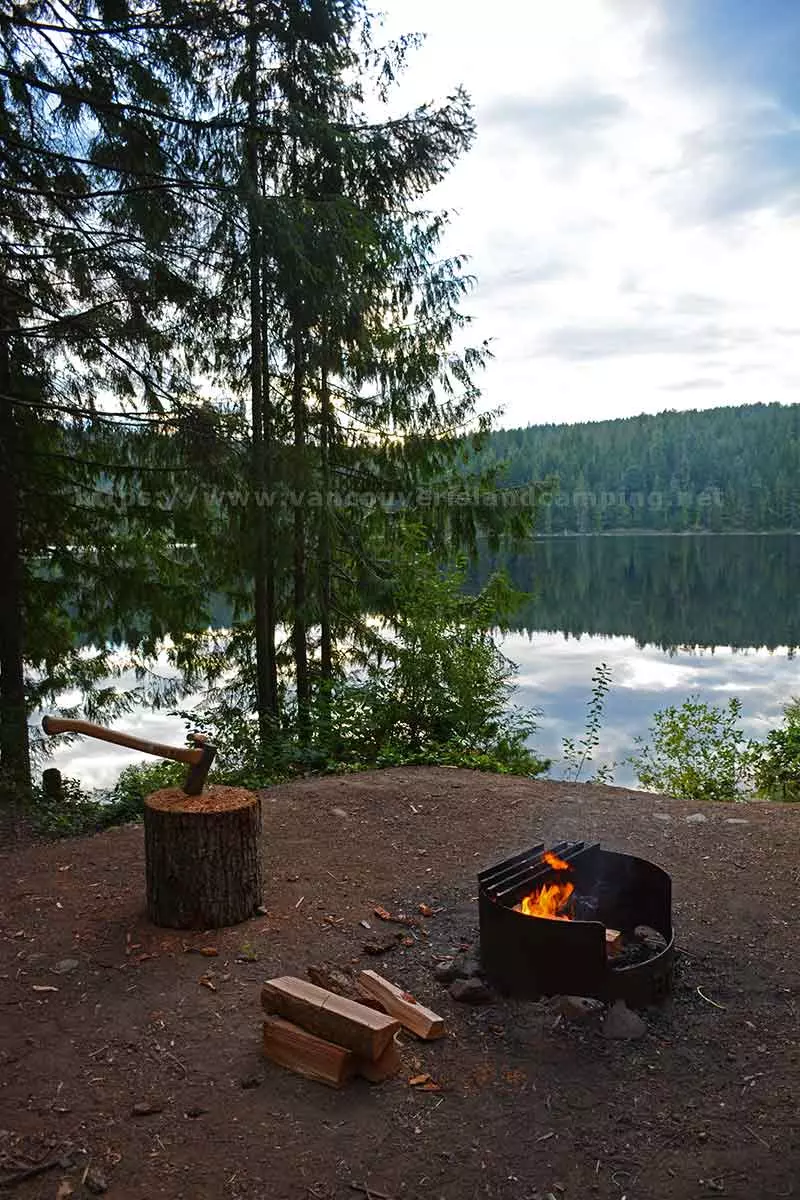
(203, 858)
(335, 1018)
(334, 979)
(305, 1054)
(411, 1015)
(384, 1068)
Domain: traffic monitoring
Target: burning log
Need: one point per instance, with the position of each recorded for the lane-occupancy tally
(344, 1022)
(411, 1015)
(613, 941)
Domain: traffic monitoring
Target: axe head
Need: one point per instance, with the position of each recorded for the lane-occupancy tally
(196, 775)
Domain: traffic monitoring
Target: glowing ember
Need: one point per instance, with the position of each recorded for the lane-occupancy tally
(550, 899)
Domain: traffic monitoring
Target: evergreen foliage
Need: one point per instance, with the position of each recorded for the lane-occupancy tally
(719, 470)
(199, 203)
(95, 396)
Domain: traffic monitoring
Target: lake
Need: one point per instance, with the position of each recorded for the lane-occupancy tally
(671, 615)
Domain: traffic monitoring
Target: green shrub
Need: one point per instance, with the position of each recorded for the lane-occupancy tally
(74, 814)
(698, 752)
(126, 799)
(78, 812)
(432, 689)
(777, 762)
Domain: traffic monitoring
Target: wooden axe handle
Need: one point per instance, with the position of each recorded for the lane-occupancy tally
(176, 753)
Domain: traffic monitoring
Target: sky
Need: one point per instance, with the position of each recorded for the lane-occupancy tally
(630, 206)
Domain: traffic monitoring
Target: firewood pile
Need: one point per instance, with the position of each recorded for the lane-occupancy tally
(329, 1037)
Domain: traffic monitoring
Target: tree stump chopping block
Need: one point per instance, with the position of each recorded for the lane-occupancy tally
(203, 859)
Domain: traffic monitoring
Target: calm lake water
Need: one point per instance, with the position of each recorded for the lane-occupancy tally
(671, 615)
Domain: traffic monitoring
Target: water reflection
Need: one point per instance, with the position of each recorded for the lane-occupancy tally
(555, 676)
(713, 616)
(738, 590)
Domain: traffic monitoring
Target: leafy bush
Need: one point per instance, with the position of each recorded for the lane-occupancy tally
(75, 813)
(698, 752)
(436, 688)
(432, 689)
(777, 761)
(126, 799)
(78, 812)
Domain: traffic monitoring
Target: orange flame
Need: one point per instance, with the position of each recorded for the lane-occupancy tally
(549, 899)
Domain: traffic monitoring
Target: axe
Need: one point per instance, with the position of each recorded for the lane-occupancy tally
(199, 759)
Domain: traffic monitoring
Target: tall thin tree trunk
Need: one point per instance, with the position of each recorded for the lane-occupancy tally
(15, 767)
(266, 689)
(325, 540)
(299, 629)
(267, 525)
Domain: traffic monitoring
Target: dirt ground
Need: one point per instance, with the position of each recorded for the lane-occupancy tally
(530, 1106)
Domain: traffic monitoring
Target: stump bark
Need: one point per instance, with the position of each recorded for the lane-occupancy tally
(203, 859)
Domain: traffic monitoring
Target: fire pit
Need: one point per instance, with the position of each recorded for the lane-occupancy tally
(577, 920)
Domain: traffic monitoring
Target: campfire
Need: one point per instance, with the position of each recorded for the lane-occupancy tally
(577, 920)
(551, 899)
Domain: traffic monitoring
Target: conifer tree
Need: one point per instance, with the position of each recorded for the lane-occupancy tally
(95, 252)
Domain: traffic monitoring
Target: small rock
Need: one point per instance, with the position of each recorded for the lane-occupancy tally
(65, 1190)
(66, 965)
(145, 1109)
(577, 1008)
(381, 945)
(696, 819)
(195, 1112)
(621, 1022)
(662, 817)
(338, 812)
(95, 1181)
(736, 821)
(650, 937)
(248, 1082)
(461, 966)
(471, 991)
(446, 972)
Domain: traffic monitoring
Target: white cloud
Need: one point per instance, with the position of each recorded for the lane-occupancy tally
(630, 223)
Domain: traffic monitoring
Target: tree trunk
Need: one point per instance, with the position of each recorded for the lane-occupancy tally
(203, 858)
(299, 628)
(15, 769)
(266, 674)
(325, 539)
(270, 616)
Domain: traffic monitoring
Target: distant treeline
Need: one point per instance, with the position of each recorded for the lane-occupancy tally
(720, 469)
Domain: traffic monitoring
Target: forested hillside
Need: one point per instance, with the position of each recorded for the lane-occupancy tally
(721, 469)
